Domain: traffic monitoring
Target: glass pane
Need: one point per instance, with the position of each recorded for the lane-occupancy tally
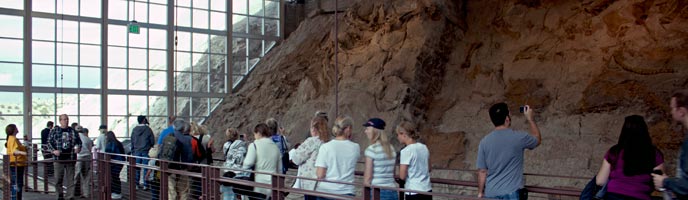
(252, 63)
(90, 33)
(158, 38)
(117, 57)
(117, 79)
(43, 29)
(200, 106)
(44, 75)
(68, 7)
(164, 2)
(90, 105)
(67, 31)
(138, 80)
(240, 6)
(255, 26)
(184, 17)
(67, 104)
(183, 109)
(67, 54)
(217, 63)
(118, 124)
(182, 81)
(157, 80)
(11, 50)
(90, 77)
(183, 61)
(67, 77)
(239, 66)
(158, 59)
(43, 6)
(184, 41)
(239, 24)
(271, 28)
(217, 83)
(184, 3)
(218, 44)
(139, 40)
(117, 9)
(90, 55)
(43, 104)
(239, 47)
(91, 123)
(200, 42)
(202, 4)
(255, 48)
(43, 52)
(255, 8)
(138, 105)
(236, 80)
(200, 82)
(141, 11)
(158, 107)
(117, 104)
(12, 26)
(218, 21)
(218, 5)
(200, 62)
(137, 58)
(11, 74)
(214, 102)
(90, 8)
(268, 46)
(157, 124)
(272, 9)
(158, 14)
(117, 35)
(200, 19)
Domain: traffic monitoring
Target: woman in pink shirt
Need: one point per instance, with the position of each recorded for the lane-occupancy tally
(627, 165)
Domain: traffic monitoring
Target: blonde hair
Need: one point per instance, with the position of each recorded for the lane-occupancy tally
(232, 134)
(320, 125)
(409, 129)
(272, 126)
(340, 124)
(195, 129)
(380, 136)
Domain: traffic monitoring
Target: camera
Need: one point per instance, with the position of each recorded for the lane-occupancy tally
(522, 109)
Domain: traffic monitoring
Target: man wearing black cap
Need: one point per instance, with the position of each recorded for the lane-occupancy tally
(101, 141)
(142, 140)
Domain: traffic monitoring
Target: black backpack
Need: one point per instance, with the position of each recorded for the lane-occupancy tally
(168, 147)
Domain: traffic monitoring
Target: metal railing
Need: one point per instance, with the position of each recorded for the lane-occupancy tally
(205, 182)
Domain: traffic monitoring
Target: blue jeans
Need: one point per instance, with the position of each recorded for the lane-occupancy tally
(17, 182)
(141, 161)
(387, 195)
(510, 196)
(227, 192)
(323, 198)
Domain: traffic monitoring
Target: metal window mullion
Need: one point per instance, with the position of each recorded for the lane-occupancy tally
(27, 107)
(104, 62)
(171, 105)
(229, 43)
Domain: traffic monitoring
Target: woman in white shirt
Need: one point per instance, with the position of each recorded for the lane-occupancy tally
(380, 158)
(414, 162)
(264, 155)
(304, 156)
(337, 159)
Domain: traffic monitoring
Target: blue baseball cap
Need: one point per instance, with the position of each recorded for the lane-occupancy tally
(375, 123)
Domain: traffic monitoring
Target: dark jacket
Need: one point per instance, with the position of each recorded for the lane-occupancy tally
(679, 184)
(142, 139)
(184, 150)
(65, 140)
(115, 147)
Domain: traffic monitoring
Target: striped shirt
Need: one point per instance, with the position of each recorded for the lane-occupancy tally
(383, 166)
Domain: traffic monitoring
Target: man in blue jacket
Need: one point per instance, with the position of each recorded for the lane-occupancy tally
(679, 184)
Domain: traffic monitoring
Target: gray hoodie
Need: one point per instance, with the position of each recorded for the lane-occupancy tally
(142, 139)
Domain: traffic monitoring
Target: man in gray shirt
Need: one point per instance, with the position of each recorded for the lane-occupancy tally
(500, 154)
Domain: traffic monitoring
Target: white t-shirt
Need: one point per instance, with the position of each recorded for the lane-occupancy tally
(383, 166)
(416, 156)
(339, 157)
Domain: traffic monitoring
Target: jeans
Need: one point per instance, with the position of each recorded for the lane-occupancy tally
(115, 170)
(62, 170)
(227, 193)
(141, 161)
(510, 196)
(83, 173)
(309, 197)
(389, 195)
(418, 196)
(17, 182)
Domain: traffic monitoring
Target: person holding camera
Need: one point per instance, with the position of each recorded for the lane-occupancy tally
(500, 155)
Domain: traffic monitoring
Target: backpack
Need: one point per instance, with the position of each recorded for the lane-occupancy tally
(201, 153)
(168, 147)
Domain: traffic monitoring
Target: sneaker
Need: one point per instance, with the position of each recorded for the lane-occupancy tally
(145, 188)
(116, 196)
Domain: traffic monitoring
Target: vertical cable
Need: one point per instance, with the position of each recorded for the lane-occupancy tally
(176, 53)
(336, 59)
(62, 57)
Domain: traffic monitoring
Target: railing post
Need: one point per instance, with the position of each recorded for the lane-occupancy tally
(6, 178)
(34, 166)
(163, 179)
(277, 186)
(106, 186)
(132, 177)
(370, 193)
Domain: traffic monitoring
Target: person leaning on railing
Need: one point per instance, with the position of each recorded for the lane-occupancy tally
(414, 162)
(264, 156)
(304, 156)
(17, 153)
(337, 160)
(380, 159)
(234, 151)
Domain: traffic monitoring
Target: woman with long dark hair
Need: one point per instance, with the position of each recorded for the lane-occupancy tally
(17, 153)
(114, 146)
(627, 166)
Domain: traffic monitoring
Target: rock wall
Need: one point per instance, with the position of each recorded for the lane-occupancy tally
(582, 66)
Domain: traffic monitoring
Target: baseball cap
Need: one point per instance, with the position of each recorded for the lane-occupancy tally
(102, 127)
(375, 123)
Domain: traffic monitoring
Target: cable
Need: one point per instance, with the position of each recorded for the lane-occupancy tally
(336, 59)
(62, 57)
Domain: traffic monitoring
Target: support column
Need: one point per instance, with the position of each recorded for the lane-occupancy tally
(229, 61)
(171, 101)
(282, 20)
(104, 62)
(27, 69)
